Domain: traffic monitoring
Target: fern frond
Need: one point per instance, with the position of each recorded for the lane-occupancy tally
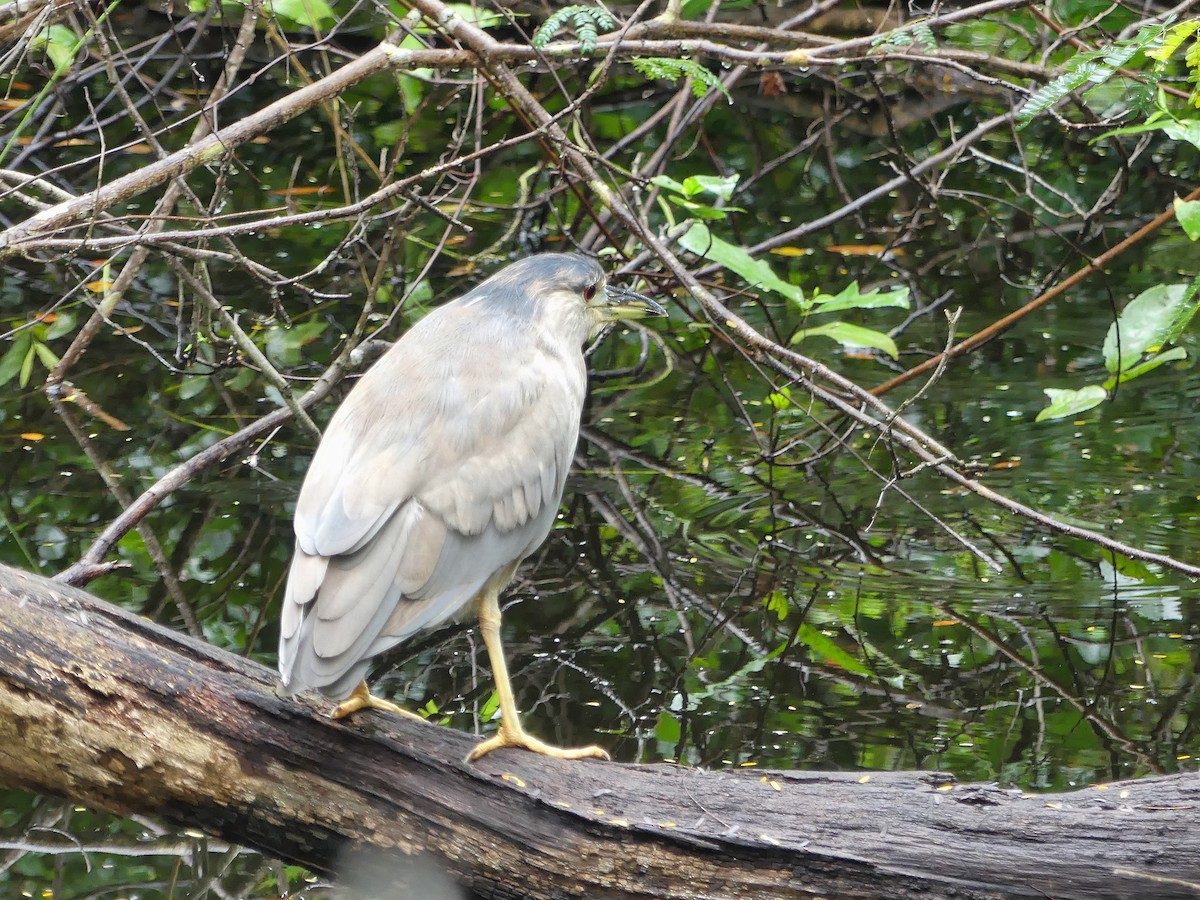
(586, 21)
(917, 32)
(1096, 66)
(1173, 40)
(1077, 75)
(923, 35)
(666, 69)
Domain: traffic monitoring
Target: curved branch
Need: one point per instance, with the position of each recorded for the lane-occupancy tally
(203, 151)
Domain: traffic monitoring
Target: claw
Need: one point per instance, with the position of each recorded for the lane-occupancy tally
(362, 698)
(518, 737)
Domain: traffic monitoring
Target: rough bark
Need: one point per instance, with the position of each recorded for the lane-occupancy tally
(101, 706)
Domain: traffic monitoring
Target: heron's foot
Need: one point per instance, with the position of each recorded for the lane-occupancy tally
(516, 736)
(362, 698)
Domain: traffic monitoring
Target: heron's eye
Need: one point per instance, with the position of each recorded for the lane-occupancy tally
(589, 292)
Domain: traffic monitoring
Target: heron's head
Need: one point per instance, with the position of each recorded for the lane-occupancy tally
(570, 294)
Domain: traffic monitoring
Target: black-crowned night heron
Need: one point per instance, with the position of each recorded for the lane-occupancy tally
(441, 471)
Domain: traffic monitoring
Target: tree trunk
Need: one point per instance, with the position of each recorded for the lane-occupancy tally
(103, 707)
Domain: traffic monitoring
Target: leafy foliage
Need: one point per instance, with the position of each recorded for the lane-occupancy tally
(60, 44)
(1154, 318)
(1188, 214)
(684, 194)
(915, 33)
(30, 344)
(1094, 66)
(758, 273)
(1066, 402)
(664, 69)
(1173, 40)
(1134, 345)
(586, 21)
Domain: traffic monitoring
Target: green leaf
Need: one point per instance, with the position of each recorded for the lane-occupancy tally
(827, 647)
(1155, 122)
(918, 33)
(1068, 402)
(26, 368)
(1188, 214)
(12, 361)
(1077, 75)
(45, 354)
(411, 86)
(412, 90)
(60, 43)
(1177, 129)
(694, 9)
(667, 729)
(480, 17)
(700, 211)
(780, 399)
(850, 298)
(699, 184)
(285, 344)
(63, 324)
(924, 37)
(757, 273)
(1134, 569)
(695, 185)
(193, 386)
(711, 184)
(1152, 363)
(1183, 131)
(666, 181)
(776, 602)
(852, 336)
(491, 708)
(1155, 317)
(715, 689)
(314, 14)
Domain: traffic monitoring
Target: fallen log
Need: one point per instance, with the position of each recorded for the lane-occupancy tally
(106, 708)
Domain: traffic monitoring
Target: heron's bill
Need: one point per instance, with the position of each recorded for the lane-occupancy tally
(622, 304)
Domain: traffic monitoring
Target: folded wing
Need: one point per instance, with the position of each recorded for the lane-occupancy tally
(444, 466)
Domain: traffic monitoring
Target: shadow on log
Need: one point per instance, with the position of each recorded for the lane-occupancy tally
(103, 707)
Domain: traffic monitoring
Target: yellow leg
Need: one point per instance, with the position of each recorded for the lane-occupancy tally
(511, 734)
(362, 698)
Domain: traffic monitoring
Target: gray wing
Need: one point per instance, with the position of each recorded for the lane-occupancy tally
(443, 466)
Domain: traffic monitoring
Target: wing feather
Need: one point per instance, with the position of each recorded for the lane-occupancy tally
(443, 466)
